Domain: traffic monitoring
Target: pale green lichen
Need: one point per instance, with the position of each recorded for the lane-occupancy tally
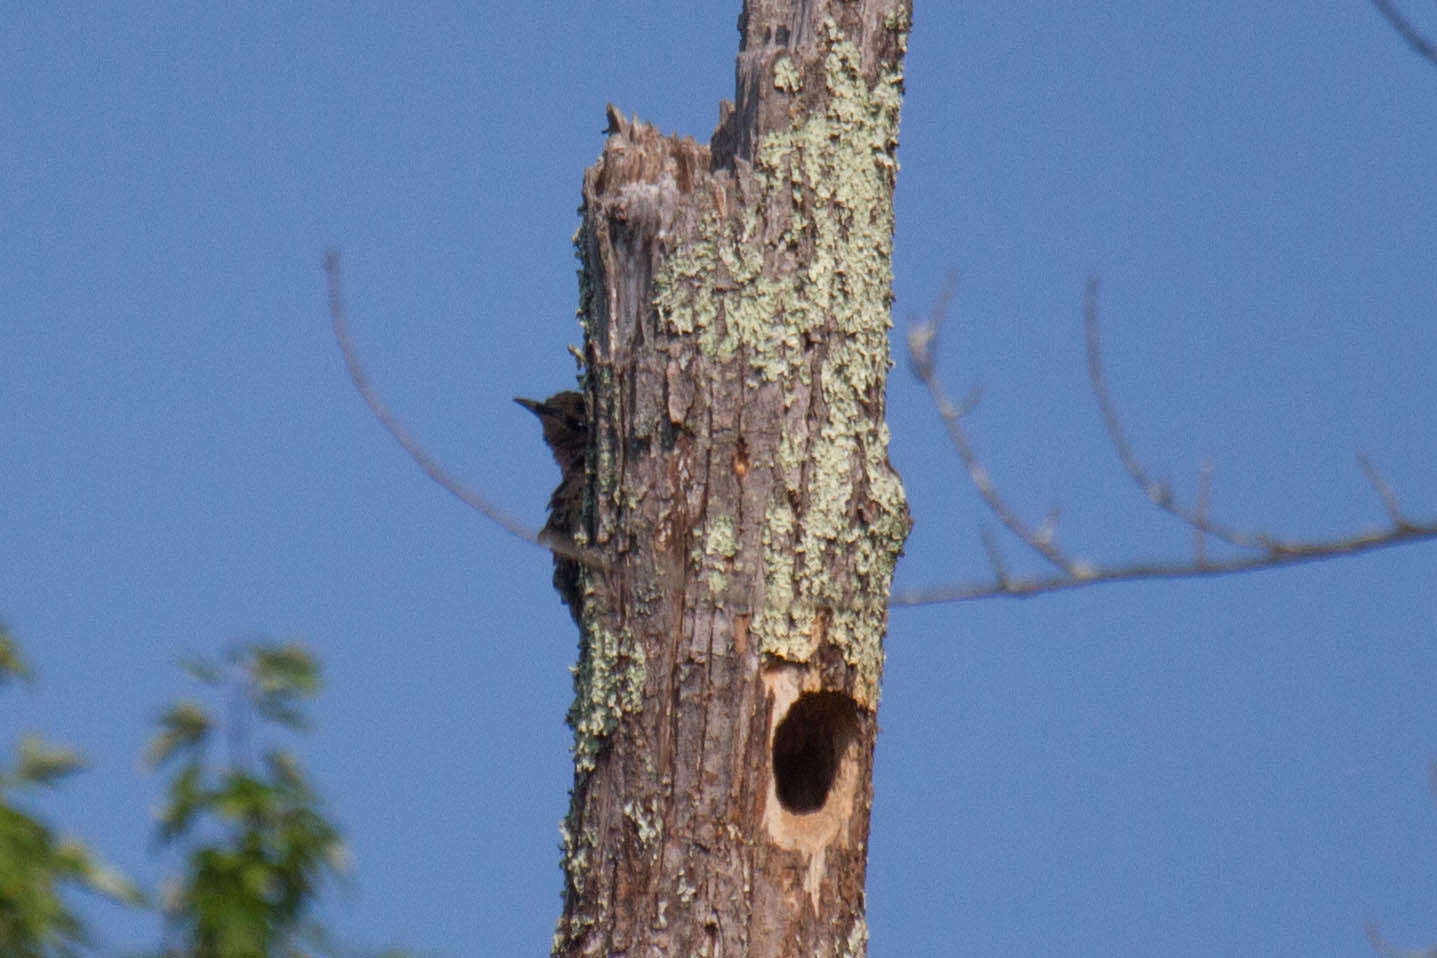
(898, 20)
(646, 820)
(610, 675)
(838, 169)
(575, 849)
(575, 854)
(608, 682)
(785, 76)
(720, 545)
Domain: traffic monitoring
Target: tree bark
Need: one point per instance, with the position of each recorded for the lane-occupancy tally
(735, 300)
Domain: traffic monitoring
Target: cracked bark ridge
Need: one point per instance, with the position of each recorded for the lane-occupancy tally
(735, 304)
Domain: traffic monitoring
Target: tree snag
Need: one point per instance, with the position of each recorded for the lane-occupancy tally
(735, 302)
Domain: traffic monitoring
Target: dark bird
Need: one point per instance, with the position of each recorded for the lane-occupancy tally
(565, 419)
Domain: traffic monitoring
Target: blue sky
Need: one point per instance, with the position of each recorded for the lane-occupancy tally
(1193, 768)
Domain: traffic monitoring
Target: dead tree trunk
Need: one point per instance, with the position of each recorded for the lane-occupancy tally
(735, 300)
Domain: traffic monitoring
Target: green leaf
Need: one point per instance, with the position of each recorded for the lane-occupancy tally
(185, 727)
(187, 798)
(283, 675)
(288, 667)
(42, 763)
(105, 879)
(12, 665)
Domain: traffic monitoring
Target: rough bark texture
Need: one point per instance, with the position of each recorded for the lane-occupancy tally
(736, 307)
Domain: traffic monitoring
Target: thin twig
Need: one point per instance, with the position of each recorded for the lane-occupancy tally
(1381, 946)
(1158, 493)
(418, 453)
(1403, 26)
(1383, 490)
(995, 557)
(1374, 937)
(922, 340)
(1204, 500)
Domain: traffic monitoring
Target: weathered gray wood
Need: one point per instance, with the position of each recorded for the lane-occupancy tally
(736, 307)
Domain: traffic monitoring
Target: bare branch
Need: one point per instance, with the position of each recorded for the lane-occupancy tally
(1403, 26)
(1260, 549)
(922, 340)
(1285, 555)
(1387, 950)
(418, 453)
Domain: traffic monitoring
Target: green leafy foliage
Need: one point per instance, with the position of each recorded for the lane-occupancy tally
(256, 846)
(248, 891)
(35, 864)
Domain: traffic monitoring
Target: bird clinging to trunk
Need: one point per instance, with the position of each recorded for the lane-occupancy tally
(566, 430)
